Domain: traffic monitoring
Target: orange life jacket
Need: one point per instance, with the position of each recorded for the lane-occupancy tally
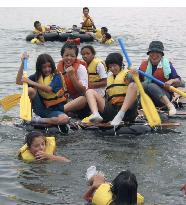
(159, 74)
(69, 85)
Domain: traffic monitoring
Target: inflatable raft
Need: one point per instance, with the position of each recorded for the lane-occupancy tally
(57, 36)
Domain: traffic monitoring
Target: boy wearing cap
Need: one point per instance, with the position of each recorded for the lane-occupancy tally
(162, 69)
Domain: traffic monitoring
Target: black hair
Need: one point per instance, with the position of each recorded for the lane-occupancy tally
(108, 36)
(91, 48)
(70, 46)
(114, 58)
(105, 29)
(124, 189)
(35, 23)
(85, 8)
(31, 136)
(42, 59)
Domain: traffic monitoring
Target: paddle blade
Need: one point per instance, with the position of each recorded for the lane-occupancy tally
(10, 101)
(148, 106)
(25, 104)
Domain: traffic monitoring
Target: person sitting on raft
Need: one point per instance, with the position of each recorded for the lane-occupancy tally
(39, 147)
(46, 91)
(122, 190)
(97, 75)
(107, 39)
(87, 23)
(76, 78)
(38, 28)
(121, 94)
(39, 39)
(162, 69)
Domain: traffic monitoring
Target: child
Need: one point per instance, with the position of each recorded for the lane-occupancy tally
(120, 103)
(46, 91)
(97, 75)
(75, 76)
(122, 190)
(39, 39)
(160, 67)
(40, 29)
(39, 147)
(107, 39)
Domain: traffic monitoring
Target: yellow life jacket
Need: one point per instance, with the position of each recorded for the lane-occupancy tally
(37, 31)
(35, 41)
(110, 41)
(117, 88)
(93, 76)
(51, 99)
(103, 196)
(26, 155)
(87, 25)
(98, 34)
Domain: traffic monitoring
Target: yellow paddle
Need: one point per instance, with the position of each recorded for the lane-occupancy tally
(25, 105)
(148, 106)
(10, 101)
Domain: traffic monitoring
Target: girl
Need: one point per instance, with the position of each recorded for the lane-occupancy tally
(47, 91)
(39, 147)
(121, 94)
(97, 76)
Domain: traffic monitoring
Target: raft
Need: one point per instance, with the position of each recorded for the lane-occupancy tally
(62, 37)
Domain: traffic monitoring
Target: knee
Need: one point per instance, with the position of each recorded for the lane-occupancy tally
(132, 86)
(89, 92)
(31, 92)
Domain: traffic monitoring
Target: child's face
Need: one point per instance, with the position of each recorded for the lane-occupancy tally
(69, 57)
(155, 57)
(87, 55)
(114, 68)
(38, 144)
(85, 12)
(46, 69)
(38, 27)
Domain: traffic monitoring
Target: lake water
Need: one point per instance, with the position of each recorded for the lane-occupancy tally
(157, 159)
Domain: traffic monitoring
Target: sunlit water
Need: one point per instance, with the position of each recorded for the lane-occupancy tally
(157, 159)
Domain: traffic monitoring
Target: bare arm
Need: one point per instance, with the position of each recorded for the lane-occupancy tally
(19, 75)
(100, 84)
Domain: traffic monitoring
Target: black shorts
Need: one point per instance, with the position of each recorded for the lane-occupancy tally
(110, 111)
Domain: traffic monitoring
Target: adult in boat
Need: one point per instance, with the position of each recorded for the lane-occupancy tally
(38, 28)
(97, 75)
(75, 76)
(121, 94)
(161, 68)
(87, 23)
(46, 91)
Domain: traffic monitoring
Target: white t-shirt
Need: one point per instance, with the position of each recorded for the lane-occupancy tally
(82, 75)
(103, 74)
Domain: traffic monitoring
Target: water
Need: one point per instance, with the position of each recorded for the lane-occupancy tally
(157, 159)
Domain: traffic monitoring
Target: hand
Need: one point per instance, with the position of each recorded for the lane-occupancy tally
(42, 156)
(90, 85)
(70, 71)
(168, 84)
(183, 188)
(133, 71)
(24, 56)
(27, 80)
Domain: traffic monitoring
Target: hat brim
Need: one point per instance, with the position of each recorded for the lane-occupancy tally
(155, 50)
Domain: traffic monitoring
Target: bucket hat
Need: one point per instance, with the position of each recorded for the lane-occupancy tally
(156, 46)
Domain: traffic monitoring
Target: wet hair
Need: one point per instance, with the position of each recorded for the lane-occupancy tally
(108, 36)
(42, 59)
(114, 58)
(124, 189)
(31, 136)
(105, 29)
(91, 48)
(35, 23)
(85, 8)
(69, 45)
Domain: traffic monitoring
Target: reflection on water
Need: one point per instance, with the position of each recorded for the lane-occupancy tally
(157, 159)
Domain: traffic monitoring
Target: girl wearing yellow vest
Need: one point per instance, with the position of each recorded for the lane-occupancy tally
(122, 190)
(97, 75)
(121, 94)
(38, 28)
(47, 90)
(39, 147)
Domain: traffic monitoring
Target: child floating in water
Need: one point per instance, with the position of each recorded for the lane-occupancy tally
(39, 147)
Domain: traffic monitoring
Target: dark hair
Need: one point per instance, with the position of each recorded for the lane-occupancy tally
(114, 58)
(35, 23)
(107, 35)
(42, 59)
(85, 8)
(124, 189)
(31, 136)
(105, 29)
(91, 48)
(39, 34)
(70, 46)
